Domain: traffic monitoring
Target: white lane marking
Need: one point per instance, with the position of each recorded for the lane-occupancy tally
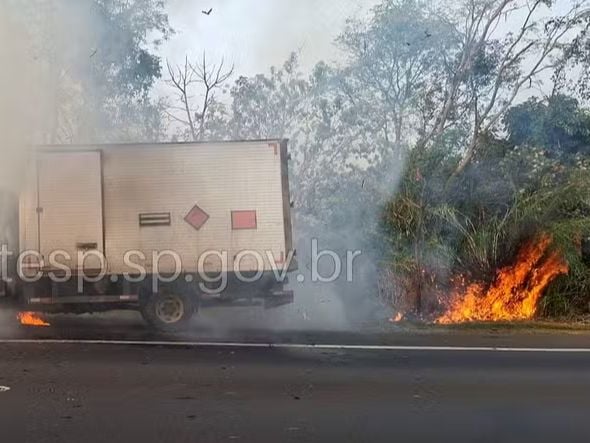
(297, 346)
(4, 389)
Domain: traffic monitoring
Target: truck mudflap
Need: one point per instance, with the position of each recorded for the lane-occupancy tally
(279, 298)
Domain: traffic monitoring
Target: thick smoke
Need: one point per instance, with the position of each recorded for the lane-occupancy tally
(21, 103)
(40, 43)
(20, 97)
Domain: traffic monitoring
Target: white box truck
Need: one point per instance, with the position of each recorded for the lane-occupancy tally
(161, 228)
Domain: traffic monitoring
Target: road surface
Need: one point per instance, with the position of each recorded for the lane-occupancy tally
(81, 392)
(114, 381)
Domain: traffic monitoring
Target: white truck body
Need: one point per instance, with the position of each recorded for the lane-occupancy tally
(189, 198)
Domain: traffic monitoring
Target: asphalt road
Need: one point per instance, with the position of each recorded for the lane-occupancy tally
(106, 393)
(399, 384)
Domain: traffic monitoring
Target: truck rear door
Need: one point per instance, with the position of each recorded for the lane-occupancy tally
(70, 206)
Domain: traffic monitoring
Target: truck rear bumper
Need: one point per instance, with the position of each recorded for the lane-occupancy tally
(82, 299)
(267, 292)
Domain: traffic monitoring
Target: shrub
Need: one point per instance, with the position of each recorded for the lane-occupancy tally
(474, 224)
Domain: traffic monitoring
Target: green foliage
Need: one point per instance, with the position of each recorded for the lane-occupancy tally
(558, 125)
(118, 79)
(267, 106)
(474, 224)
(124, 62)
(98, 59)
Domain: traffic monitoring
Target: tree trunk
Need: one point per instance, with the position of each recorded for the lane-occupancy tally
(469, 154)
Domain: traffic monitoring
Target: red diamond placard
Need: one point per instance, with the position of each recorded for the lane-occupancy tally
(196, 217)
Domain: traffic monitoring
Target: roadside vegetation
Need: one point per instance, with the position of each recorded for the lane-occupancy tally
(533, 180)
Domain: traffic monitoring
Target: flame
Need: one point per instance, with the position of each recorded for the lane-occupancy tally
(31, 319)
(397, 318)
(516, 291)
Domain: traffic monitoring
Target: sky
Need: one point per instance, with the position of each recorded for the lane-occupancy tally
(257, 34)
(254, 35)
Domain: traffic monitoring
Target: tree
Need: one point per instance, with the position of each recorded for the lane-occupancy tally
(557, 124)
(99, 65)
(124, 68)
(394, 64)
(574, 73)
(210, 79)
(270, 106)
(488, 70)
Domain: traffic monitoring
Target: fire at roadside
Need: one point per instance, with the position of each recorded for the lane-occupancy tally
(31, 319)
(514, 294)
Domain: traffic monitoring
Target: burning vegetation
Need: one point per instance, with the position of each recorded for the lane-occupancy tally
(515, 292)
(485, 249)
(491, 251)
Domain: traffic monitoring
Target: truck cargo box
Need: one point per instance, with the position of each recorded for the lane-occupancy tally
(179, 209)
(188, 198)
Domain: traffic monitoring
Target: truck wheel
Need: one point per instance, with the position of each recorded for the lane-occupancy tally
(168, 312)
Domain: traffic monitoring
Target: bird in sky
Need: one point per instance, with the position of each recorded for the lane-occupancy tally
(208, 12)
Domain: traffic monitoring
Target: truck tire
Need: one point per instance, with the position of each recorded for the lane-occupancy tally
(168, 311)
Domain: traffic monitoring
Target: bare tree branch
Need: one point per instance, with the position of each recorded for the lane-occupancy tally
(540, 60)
(200, 76)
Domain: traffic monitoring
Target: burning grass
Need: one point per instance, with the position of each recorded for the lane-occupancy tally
(440, 226)
(515, 292)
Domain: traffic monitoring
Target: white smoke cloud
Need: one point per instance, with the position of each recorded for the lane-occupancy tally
(19, 98)
(38, 44)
